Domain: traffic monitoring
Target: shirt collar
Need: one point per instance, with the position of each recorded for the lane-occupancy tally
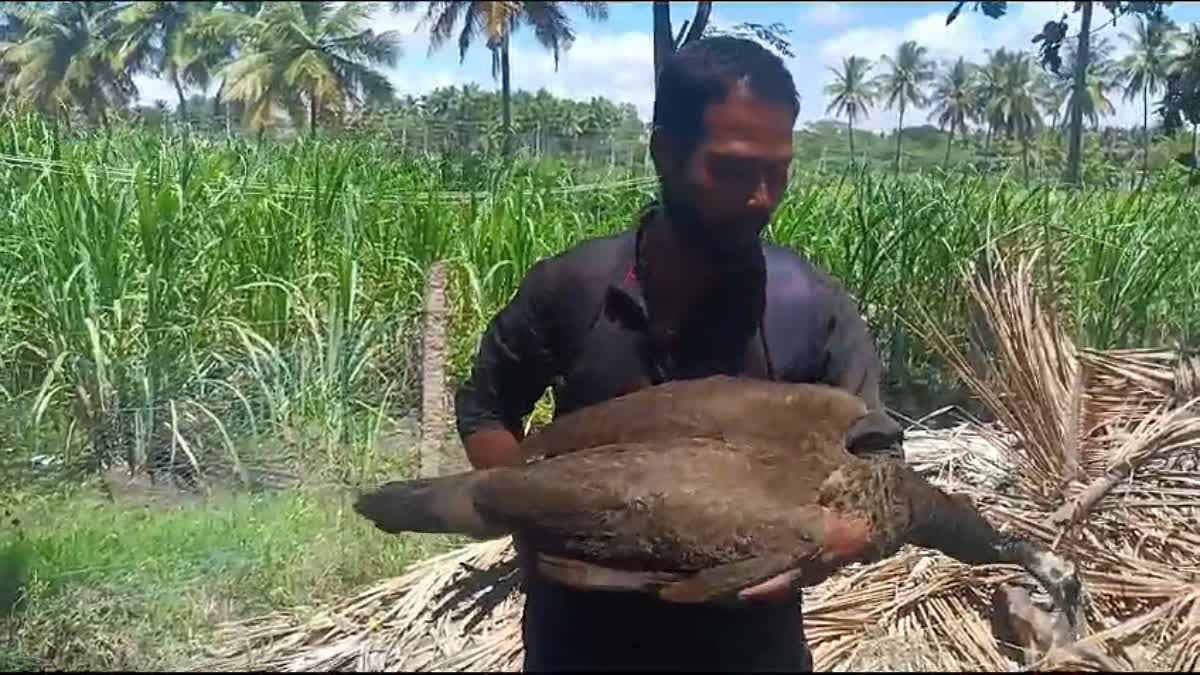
(625, 285)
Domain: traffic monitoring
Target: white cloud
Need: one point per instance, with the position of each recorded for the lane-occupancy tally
(971, 36)
(617, 66)
(829, 14)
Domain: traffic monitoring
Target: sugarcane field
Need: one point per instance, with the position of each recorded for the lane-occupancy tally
(516, 336)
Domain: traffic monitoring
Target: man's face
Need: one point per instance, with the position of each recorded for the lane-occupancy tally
(731, 184)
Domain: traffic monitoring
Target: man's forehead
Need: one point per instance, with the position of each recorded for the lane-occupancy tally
(737, 149)
(745, 126)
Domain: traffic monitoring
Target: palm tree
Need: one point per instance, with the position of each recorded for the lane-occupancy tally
(1184, 65)
(215, 39)
(151, 36)
(1075, 106)
(853, 94)
(989, 82)
(1016, 106)
(1145, 70)
(12, 31)
(904, 84)
(496, 22)
(1052, 95)
(65, 58)
(313, 55)
(953, 100)
(1101, 78)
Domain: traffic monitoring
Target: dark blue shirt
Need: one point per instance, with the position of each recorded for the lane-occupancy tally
(579, 324)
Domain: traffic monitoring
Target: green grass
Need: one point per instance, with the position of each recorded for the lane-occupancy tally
(176, 294)
(118, 586)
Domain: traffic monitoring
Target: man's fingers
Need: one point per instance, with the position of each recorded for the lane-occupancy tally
(777, 587)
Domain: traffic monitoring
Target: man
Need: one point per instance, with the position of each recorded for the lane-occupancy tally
(690, 291)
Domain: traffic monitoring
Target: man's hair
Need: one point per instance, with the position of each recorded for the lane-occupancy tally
(703, 72)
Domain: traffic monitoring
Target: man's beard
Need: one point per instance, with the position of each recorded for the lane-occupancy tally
(731, 246)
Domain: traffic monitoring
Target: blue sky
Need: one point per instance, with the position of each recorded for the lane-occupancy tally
(614, 58)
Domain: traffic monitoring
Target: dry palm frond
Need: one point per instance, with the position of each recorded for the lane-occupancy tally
(1090, 447)
(1035, 381)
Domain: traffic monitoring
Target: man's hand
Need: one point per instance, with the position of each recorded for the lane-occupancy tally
(492, 447)
(876, 434)
(779, 589)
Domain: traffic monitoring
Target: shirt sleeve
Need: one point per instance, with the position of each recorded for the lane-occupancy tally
(852, 363)
(515, 361)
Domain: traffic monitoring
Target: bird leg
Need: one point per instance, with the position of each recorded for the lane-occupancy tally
(952, 525)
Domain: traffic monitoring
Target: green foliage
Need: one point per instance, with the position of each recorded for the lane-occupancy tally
(140, 584)
(61, 56)
(773, 36)
(1182, 99)
(314, 56)
(245, 312)
(467, 119)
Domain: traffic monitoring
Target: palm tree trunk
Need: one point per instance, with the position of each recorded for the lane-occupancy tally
(1025, 153)
(182, 99)
(1195, 157)
(1076, 133)
(949, 142)
(987, 140)
(1145, 131)
(850, 124)
(506, 95)
(899, 135)
(312, 113)
(217, 99)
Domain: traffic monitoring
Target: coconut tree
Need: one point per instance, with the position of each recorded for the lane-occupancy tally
(496, 22)
(312, 57)
(852, 93)
(1183, 85)
(904, 83)
(65, 57)
(1144, 70)
(212, 41)
(1102, 77)
(988, 83)
(1016, 105)
(1052, 92)
(953, 100)
(12, 31)
(153, 37)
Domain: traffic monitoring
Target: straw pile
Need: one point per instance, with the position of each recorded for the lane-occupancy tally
(1094, 452)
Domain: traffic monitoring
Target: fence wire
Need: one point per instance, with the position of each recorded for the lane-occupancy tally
(396, 197)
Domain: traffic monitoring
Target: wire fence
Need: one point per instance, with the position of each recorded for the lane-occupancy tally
(395, 197)
(580, 142)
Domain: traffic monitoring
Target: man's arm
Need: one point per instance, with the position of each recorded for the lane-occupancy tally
(852, 363)
(512, 368)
